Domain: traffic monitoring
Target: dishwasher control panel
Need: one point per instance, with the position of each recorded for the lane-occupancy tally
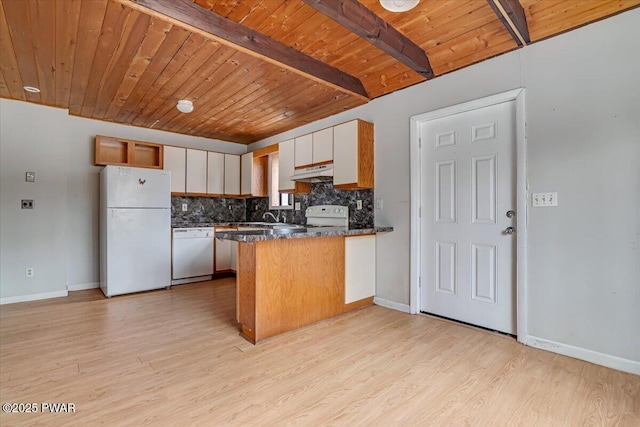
(192, 233)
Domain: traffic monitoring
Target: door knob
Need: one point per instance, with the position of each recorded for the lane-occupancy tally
(509, 230)
(511, 214)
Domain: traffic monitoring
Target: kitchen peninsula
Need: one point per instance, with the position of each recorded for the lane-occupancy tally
(293, 277)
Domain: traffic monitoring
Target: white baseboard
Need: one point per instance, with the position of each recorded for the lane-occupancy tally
(392, 304)
(614, 362)
(33, 297)
(83, 286)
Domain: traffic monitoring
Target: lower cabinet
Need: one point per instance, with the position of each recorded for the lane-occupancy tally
(234, 255)
(359, 267)
(225, 253)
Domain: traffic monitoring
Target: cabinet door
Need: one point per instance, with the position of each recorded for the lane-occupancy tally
(246, 175)
(233, 248)
(345, 155)
(196, 171)
(215, 173)
(303, 150)
(175, 160)
(353, 155)
(286, 165)
(359, 268)
(222, 255)
(232, 174)
(323, 146)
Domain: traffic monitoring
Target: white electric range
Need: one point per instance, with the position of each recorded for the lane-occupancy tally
(326, 217)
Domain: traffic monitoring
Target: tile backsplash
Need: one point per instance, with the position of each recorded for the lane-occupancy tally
(321, 194)
(207, 210)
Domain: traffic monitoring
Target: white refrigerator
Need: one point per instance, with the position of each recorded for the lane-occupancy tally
(135, 230)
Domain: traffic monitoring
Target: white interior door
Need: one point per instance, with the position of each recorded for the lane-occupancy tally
(468, 186)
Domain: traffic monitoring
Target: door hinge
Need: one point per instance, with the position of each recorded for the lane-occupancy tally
(419, 142)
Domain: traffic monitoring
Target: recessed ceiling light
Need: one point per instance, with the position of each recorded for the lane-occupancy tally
(185, 106)
(31, 89)
(399, 5)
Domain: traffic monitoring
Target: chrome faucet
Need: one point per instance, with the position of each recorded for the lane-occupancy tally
(276, 219)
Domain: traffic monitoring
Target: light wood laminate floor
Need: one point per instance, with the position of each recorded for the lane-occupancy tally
(174, 358)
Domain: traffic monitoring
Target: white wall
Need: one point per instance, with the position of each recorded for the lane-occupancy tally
(583, 136)
(59, 238)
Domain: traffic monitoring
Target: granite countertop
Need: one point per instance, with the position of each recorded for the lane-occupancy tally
(250, 236)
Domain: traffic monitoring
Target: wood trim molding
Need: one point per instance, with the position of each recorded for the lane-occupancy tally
(209, 24)
(513, 18)
(265, 151)
(326, 162)
(358, 304)
(361, 21)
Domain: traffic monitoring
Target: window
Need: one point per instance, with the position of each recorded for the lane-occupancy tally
(277, 200)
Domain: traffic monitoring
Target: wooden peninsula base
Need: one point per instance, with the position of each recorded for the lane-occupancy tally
(288, 283)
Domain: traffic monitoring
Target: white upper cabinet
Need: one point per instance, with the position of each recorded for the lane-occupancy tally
(322, 146)
(175, 160)
(215, 173)
(303, 150)
(314, 148)
(232, 174)
(196, 171)
(286, 165)
(246, 174)
(353, 155)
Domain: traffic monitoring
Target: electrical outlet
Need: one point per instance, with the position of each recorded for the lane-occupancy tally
(358, 204)
(27, 204)
(28, 272)
(30, 177)
(544, 199)
(184, 207)
(297, 206)
(379, 203)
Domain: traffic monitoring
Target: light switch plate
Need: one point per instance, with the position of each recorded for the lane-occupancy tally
(358, 204)
(541, 200)
(379, 203)
(184, 207)
(297, 206)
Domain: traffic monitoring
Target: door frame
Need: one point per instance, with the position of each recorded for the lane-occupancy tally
(517, 95)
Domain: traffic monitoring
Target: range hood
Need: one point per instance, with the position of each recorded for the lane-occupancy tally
(322, 173)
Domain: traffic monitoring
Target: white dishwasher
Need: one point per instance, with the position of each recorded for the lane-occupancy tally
(192, 255)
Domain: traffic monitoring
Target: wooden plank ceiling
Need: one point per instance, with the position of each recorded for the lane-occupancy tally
(116, 61)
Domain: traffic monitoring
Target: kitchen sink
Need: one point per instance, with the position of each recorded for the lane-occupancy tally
(271, 231)
(271, 225)
(284, 226)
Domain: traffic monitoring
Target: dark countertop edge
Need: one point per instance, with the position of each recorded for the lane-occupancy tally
(241, 236)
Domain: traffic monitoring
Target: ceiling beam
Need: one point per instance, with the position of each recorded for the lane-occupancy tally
(514, 19)
(363, 22)
(192, 17)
